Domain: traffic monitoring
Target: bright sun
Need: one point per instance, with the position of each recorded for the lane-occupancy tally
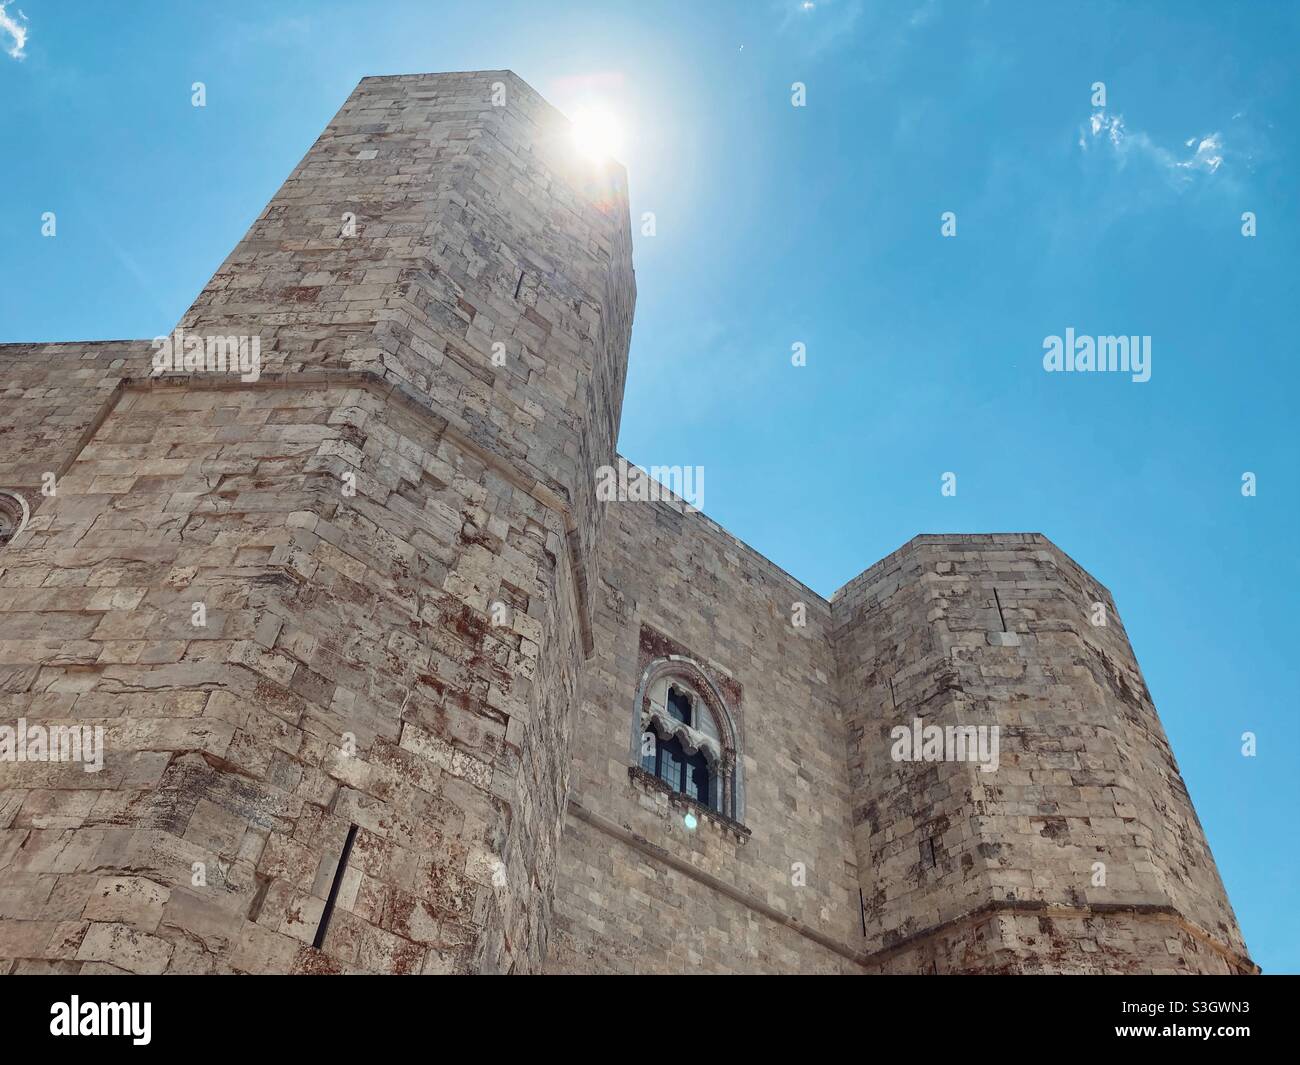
(597, 134)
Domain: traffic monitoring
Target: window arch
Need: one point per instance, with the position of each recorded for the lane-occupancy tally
(683, 734)
(13, 515)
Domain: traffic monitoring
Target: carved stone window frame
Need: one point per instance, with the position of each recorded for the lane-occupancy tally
(14, 515)
(729, 766)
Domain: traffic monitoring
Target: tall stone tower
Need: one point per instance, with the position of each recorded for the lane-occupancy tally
(1080, 851)
(380, 681)
(331, 619)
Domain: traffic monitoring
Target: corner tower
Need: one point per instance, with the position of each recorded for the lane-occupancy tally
(331, 615)
(1081, 852)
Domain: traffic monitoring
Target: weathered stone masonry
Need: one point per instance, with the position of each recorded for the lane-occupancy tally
(419, 629)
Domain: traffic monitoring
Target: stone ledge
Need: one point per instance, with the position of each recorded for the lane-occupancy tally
(1139, 911)
(651, 850)
(649, 782)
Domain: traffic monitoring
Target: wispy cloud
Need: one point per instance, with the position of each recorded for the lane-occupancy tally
(1109, 132)
(15, 27)
(819, 24)
(924, 14)
(1208, 156)
(282, 31)
(879, 34)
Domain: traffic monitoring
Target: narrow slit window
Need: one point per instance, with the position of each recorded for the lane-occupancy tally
(339, 870)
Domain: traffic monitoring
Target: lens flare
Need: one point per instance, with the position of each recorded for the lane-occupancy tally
(597, 134)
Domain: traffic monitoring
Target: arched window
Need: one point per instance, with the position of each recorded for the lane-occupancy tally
(13, 516)
(685, 737)
(686, 773)
(667, 758)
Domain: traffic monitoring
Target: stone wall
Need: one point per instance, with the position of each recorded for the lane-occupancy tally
(960, 870)
(388, 533)
(346, 672)
(618, 906)
(1086, 812)
(51, 396)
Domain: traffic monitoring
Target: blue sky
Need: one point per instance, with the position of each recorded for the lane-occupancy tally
(821, 225)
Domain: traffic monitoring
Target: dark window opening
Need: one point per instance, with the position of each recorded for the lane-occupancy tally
(339, 870)
(679, 706)
(1002, 618)
(697, 779)
(687, 774)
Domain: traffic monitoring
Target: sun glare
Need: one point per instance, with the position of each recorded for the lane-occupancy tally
(597, 134)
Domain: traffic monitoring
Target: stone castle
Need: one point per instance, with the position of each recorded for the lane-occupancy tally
(381, 686)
